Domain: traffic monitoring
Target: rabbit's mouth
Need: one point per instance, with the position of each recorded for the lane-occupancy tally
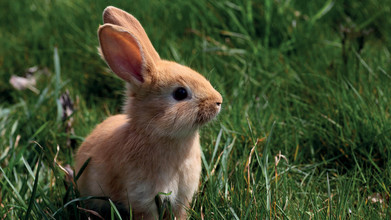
(203, 118)
(208, 110)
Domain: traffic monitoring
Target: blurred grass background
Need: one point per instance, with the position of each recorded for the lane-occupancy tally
(308, 81)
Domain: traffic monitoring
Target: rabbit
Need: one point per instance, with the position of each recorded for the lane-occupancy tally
(153, 147)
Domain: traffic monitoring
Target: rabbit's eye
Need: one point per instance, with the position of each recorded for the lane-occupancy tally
(180, 94)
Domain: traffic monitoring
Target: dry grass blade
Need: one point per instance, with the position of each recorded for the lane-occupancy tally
(217, 162)
(247, 168)
(68, 172)
(248, 162)
(277, 160)
(92, 212)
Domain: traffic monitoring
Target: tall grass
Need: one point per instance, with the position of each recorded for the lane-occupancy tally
(305, 127)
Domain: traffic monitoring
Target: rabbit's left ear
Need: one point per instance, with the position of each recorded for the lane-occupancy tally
(124, 54)
(113, 15)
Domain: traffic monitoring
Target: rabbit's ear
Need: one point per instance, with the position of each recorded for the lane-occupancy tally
(124, 54)
(113, 15)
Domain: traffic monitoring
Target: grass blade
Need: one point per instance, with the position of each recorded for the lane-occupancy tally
(32, 197)
(82, 169)
(326, 8)
(114, 208)
(216, 146)
(77, 200)
(19, 197)
(57, 70)
(329, 195)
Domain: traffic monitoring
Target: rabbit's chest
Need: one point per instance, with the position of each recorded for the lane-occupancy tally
(180, 186)
(168, 188)
(175, 185)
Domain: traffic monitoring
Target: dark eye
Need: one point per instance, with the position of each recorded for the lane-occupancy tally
(180, 94)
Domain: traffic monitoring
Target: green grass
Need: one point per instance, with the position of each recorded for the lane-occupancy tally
(307, 79)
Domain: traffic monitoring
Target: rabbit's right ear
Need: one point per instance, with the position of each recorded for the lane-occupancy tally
(125, 55)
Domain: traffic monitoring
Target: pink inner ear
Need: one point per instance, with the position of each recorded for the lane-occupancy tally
(122, 54)
(123, 65)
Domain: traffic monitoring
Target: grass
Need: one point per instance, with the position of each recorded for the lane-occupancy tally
(305, 130)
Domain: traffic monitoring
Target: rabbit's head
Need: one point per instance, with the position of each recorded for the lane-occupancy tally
(163, 98)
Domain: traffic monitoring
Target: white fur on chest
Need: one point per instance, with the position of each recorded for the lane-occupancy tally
(176, 184)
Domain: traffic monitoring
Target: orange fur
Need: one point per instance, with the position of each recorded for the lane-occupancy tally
(154, 146)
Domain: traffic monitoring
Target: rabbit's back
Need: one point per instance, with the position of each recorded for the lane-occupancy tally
(99, 146)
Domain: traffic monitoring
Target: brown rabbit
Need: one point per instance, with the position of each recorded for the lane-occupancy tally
(154, 146)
